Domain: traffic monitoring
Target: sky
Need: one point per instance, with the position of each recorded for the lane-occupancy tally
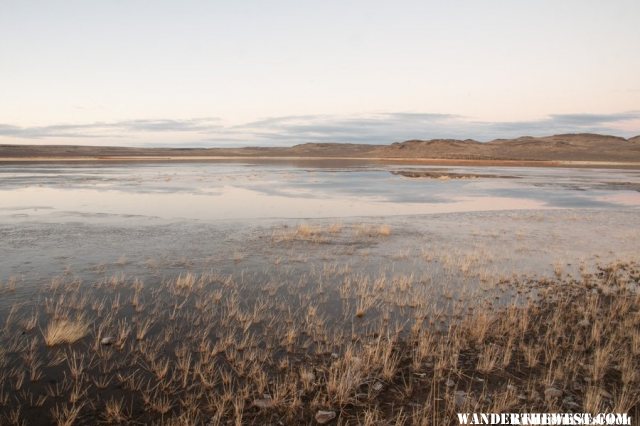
(281, 72)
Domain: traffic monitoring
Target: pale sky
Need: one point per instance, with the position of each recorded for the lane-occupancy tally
(216, 73)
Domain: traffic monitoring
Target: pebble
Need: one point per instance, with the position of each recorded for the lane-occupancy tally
(109, 340)
(552, 393)
(308, 376)
(323, 417)
(584, 323)
(568, 402)
(265, 402)
(450, 383)
(460, 398)
(605, 394)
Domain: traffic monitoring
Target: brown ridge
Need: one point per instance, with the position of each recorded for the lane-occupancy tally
(584, 147)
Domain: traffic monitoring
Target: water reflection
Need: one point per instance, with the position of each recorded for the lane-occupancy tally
(212, 191)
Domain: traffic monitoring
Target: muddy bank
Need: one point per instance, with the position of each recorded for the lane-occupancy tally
(444, 175)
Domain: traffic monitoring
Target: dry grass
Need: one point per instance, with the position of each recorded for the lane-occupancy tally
(384, 230)
(327, 233)
(367, 230)
(65, 331)
(375, 348)
(114, 411)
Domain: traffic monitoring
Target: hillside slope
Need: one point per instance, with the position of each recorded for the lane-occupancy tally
(566, 147)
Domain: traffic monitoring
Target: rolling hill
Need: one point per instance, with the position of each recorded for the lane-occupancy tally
(565, 147)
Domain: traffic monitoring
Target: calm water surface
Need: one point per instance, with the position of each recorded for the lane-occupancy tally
(215, 191)
(153, 221)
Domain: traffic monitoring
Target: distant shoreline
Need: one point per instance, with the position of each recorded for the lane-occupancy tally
(568, 150)
(239, 158)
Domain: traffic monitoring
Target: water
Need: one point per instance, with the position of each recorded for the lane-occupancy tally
(232, 191)
(301, 260)
(95, 220)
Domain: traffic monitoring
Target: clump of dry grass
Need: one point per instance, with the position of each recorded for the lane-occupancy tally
(114, 411)
(305, 232)
(384, 230)
(66, 415)
(335, 228)
(367, 230)
(65, 331)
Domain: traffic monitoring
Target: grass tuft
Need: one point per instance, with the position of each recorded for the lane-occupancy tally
(65, 331)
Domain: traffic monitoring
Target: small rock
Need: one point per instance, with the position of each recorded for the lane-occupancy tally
(568, 402)
(450, 383)
(378, 386)
(460, 397)
(584, 323)
(265, 402)
(109, 340)
(323, 417)
(605, 394)
(308, 376)
(334, 355)
(552, 393)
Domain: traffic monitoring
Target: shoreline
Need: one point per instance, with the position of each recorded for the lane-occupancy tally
(399, 160)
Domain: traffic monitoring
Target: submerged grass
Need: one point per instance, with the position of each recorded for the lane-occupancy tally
(349, 346)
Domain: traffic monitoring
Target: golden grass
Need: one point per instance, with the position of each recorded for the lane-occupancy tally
(65, 331)
(326, 233)
(381, 347)
(367, 230)
(384, 230)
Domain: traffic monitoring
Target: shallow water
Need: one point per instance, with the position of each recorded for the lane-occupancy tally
(287, 265)
(215, 191)
(161, 219)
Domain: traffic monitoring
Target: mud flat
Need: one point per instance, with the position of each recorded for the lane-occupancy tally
(442, 174)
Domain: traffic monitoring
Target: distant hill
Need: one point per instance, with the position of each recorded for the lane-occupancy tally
(565, 147)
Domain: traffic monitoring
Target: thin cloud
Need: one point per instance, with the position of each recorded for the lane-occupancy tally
(593, 119)
(380, 128)
(109, 129)
(561, 123)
